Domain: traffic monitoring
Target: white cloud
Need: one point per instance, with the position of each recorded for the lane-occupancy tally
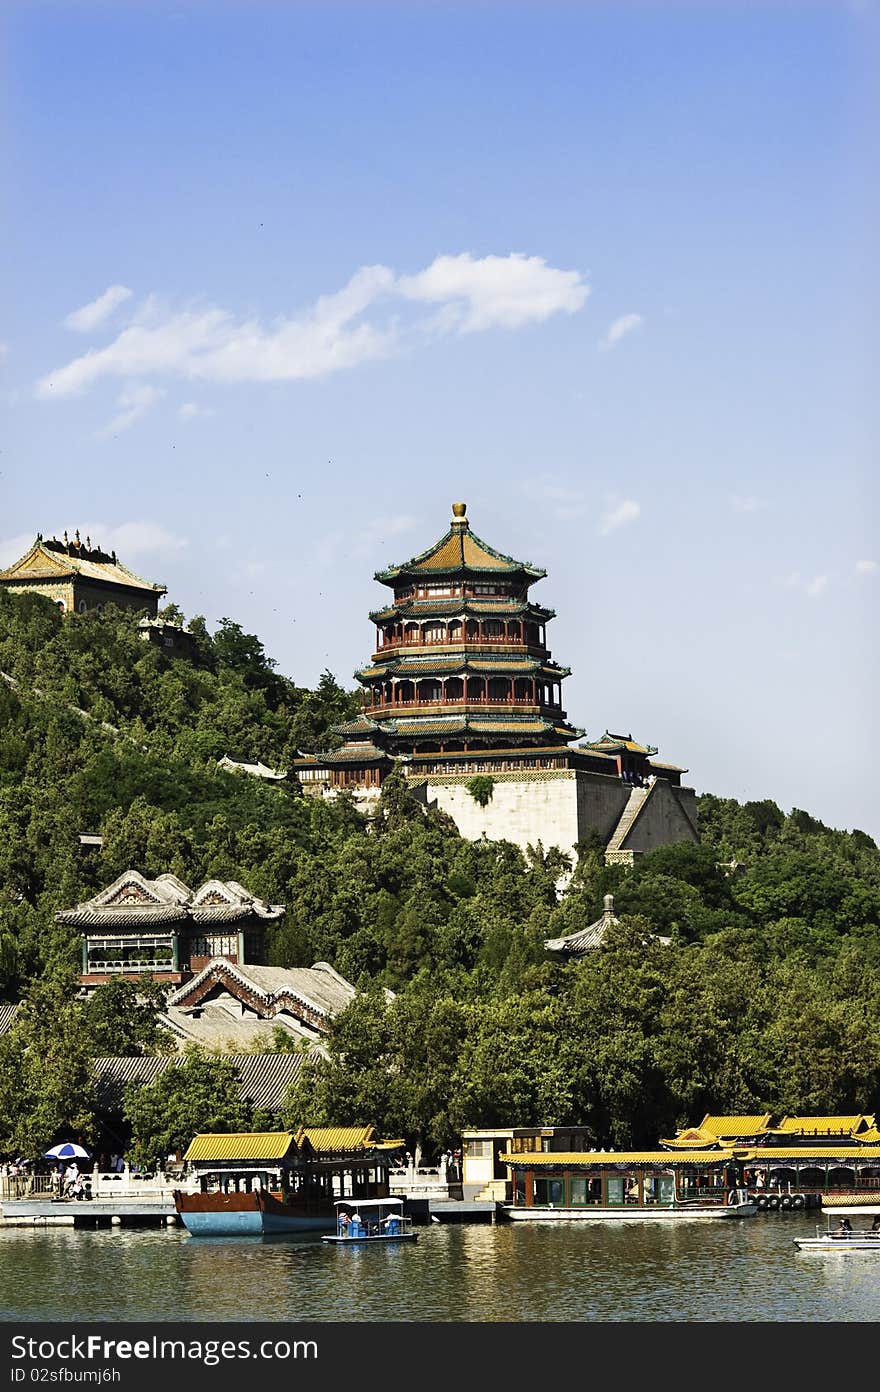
(205, 343)
(90, 316)
(619, 516)
(496, 291)
(190, 409)
(134, 538)
(741, 503)
(127, 539)
(13, 548)
(134, 402)
(866, 567)
(626, 324)
(4, 351)
(816, 585)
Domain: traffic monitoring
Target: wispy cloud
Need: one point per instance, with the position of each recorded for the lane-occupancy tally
(626, 324)
(619, 516)
(134, 403)
(90, 316)
(14, 547)
(561, 501)
(127, 539)
(812, 586)
(205, 343)
(134, 538)
(866, 567)
(191, 409)
(744, 503)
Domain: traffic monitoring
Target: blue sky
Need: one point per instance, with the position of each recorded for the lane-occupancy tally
(285, 280)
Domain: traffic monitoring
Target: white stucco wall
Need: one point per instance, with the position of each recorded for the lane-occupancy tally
(558, 807)
(670, 815)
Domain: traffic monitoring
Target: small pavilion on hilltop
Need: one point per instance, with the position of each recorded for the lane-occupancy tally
(80, 578)
(585, 939)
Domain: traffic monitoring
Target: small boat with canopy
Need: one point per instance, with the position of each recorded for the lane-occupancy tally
(370, 1220)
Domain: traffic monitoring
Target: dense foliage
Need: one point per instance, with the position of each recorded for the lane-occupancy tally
(741, 978)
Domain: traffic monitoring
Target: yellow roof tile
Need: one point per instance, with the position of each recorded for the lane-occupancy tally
(332, 1138)
(757, 1155)
(596, 1159)
(458, 550)
(735, 1125)
(816, 1125)
(241, 1145)
(694, 1137)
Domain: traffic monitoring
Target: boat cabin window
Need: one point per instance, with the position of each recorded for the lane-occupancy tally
(549, 1191)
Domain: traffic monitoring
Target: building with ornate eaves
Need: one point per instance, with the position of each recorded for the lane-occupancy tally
(79, 577)
(461, 685)
(208, 946)
(162, 928)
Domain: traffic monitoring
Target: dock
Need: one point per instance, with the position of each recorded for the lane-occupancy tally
(427, 1210)
(90, 1213)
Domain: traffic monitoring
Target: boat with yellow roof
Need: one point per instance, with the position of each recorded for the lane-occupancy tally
(615, 1185)
(256, 1183)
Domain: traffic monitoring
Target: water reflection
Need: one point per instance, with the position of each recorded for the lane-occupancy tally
(526, 1272)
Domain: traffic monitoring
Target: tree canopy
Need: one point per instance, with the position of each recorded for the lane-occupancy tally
(762, 996)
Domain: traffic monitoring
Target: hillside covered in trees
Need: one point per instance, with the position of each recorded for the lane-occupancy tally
(762, 996)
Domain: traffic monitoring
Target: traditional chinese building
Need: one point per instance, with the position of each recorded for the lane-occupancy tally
(161, 928)
(462, 685)
(79, 577)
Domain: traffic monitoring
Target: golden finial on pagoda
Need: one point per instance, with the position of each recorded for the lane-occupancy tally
(459, 509)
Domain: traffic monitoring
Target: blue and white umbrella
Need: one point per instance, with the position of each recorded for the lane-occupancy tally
(68, 1151)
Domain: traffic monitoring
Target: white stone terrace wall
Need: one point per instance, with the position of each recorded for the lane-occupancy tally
(553, 806)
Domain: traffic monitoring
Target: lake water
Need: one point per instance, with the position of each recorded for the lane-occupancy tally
(746, 1270)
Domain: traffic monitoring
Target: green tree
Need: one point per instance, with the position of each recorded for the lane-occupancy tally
(201, 1093)
(481, 787)
(47, 1082)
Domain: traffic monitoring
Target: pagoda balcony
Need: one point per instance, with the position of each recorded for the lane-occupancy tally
(473, 644)
(480, 706)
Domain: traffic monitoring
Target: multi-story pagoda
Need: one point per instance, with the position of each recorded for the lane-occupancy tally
(461, 683)
(461, 662)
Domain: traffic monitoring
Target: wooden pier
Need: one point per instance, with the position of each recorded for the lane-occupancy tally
(90, 1213)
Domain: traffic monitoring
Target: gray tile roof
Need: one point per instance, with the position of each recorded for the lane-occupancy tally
(264, 1079)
